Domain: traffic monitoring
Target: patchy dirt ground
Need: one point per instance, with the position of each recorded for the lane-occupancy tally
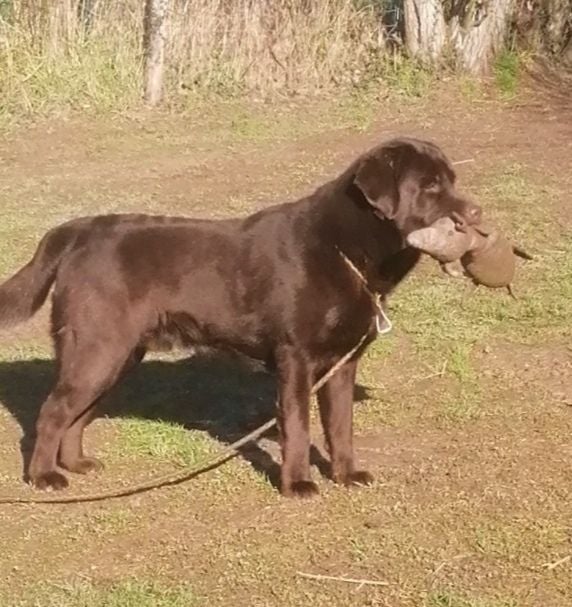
(464, 413)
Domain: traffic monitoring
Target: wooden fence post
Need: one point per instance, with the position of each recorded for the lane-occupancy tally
(155, 33)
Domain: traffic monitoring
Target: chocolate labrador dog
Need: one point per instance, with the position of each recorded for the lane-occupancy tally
(290, 285)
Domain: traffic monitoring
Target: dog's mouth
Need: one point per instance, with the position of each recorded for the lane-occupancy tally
(462, 222)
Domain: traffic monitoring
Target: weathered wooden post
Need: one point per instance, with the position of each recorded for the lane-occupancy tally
(155, 32)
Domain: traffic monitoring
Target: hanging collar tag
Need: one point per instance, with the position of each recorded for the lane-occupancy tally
(382, 322)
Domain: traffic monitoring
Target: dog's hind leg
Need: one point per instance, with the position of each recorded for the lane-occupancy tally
(88, 366)
(71, 456)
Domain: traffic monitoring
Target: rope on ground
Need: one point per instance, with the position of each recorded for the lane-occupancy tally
(187, 474)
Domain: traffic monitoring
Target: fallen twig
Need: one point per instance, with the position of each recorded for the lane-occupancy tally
(463, 161)
(440, 373)
(349, 580)
(551, 566)
(438, 569)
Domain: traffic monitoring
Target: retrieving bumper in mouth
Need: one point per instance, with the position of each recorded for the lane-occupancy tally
(481, 253)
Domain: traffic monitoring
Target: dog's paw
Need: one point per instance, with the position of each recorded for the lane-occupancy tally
(361, 478)
(49, 480)
(84, 465)
(302, 489)
(358, 478)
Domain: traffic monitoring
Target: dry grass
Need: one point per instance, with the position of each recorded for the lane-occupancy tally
(50, 60)
(295, 46)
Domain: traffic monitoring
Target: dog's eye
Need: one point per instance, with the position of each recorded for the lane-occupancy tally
(431, 184)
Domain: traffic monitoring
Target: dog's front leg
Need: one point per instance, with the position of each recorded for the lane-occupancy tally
(336, 412)
(294, 386)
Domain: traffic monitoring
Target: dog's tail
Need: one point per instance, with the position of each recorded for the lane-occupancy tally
(24, 293)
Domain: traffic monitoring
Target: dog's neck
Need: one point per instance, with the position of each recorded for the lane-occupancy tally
(352, 225)
(362, 269)
(382, 322)
(344, 220)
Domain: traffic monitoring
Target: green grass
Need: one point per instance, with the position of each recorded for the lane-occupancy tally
(96, 77)
(507, 70)
(108, 522)
(407, 78)
(470, 88)
(459, 363)
(460, 405)
(129, 593)
(160, 441)
(519, 539)
(449, 599)
(255, 123)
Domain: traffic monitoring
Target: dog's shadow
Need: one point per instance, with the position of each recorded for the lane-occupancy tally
(223, 395)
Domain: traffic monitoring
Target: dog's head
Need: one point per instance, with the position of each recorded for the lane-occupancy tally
(411, 182)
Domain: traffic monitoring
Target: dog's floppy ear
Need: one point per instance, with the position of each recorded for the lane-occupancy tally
(376, 179)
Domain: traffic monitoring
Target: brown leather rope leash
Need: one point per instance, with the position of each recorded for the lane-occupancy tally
(383, 326)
